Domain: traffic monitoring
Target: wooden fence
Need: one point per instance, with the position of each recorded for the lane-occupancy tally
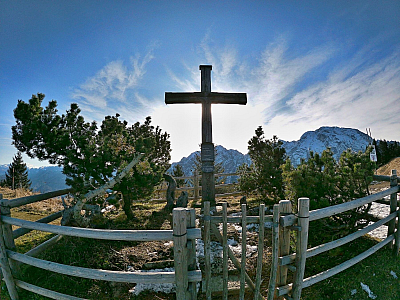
(300, 223)
(196, 188)
(183, 234)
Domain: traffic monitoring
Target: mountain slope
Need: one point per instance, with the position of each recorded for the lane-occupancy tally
(338, 139)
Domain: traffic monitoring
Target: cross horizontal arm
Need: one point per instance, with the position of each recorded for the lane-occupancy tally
(199, 97)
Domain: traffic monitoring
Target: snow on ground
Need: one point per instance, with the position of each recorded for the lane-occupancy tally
(381, 210)
(368, 291)
(157, 287)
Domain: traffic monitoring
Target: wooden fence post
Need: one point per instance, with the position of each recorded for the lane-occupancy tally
(180, 252)
(397, 236)
(8, 234)
(196, 186)
(225, 251)
(191, 223)
(275, 253)
(4, 262)
(285, 207)
(301, 246)
(260, 250)
(244, 250)
(393, 204)
(207, 248)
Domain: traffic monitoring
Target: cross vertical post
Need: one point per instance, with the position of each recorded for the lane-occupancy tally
(207, 146)
(206, 98)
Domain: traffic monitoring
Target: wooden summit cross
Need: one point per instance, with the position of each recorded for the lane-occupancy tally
(206, 98)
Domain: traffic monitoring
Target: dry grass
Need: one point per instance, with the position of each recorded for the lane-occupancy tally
(394, 164)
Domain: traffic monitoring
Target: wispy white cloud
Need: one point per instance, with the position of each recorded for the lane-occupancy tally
(114, 83)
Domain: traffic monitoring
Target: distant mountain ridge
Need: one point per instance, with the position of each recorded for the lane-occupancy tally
(50, 178)
(337, 138)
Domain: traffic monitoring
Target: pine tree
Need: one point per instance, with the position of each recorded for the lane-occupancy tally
(264, 176)
(177, 171)
(17, 174)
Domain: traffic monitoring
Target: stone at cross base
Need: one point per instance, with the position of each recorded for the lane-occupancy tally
(206, 98)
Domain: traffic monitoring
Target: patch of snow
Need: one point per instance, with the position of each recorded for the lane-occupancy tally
(169, 244)
(368, 291)
(394, 275)
(157, 287)
(108, 208)
(353, 292)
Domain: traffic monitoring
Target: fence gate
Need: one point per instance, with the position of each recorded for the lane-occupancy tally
(212, 236)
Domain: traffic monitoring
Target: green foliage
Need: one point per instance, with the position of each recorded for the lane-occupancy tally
(91, 156)
(177, 171)
(264, 176)
(17, 174)
(386, 151)
(328, 182)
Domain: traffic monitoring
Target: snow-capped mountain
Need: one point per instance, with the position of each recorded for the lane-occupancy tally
(338, 139)
(230, 159)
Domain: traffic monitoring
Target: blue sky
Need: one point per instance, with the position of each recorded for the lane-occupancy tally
(303, 64)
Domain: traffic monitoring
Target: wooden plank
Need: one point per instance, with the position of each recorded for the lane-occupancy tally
(285, 207)
(34, 252)
(383, 178)
(397, 235)
(225, 184)
(50, 218)
(393, 204)
(228, 194)
(283, 290)
(288, 259)
(301, 246)
(339, 208)
(191, 245)
(35, 198)
(196, 195)
(275, 254)
(106, 275)
(249, 219)
(234, 260)
(347, 264)
(200, 97)
(44, 292)
(180, 252)
(244, 252)
(260, 249)
(224, 251)
(103, 234)
(207, 249)
(226, 174)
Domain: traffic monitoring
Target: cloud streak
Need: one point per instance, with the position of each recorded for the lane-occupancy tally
(114, 86)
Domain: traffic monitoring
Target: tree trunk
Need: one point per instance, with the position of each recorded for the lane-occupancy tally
(170, 191)
(127, 203)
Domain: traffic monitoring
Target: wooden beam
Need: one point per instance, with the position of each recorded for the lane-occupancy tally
(199, 98)
(106, 275)
(103, 234)
(44, 292)
(35, 198)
